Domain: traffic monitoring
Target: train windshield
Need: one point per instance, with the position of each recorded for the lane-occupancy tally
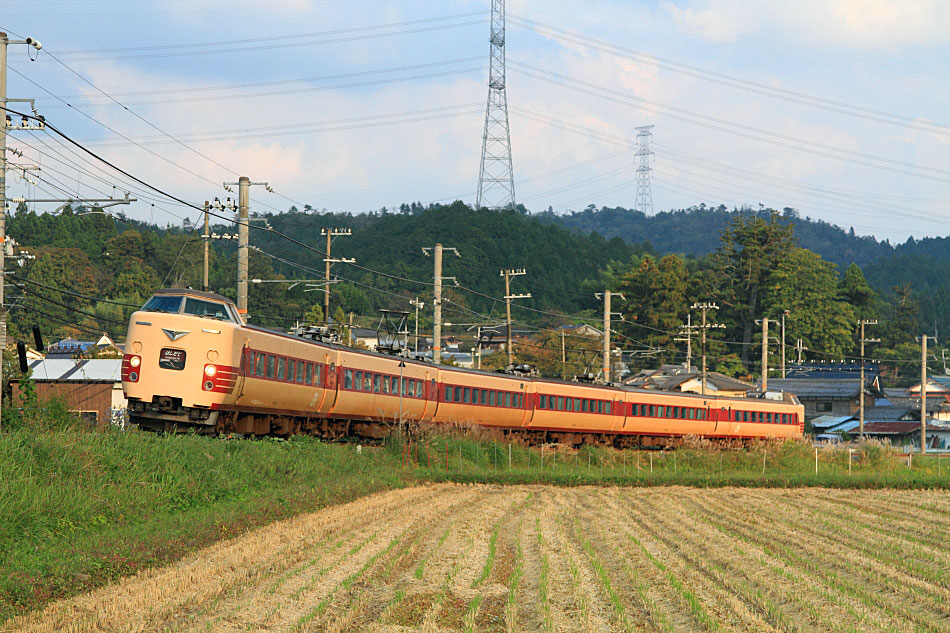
(178, 304)
(207, 309)
(163, 303)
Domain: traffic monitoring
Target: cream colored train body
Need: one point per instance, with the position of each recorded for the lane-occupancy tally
(193, 364)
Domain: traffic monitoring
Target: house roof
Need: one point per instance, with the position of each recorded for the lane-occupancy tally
(660, 379)
(829, 421)
(60, 369)
(363, 332)
(895, 428)
(844, 388)
(832, 370)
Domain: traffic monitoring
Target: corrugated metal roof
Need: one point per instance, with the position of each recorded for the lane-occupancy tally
(104, 369)
(847, 427)
(896, 428)
(828, 421)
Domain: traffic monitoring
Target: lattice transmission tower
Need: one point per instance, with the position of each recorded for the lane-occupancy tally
(644, 194)
(496, 182)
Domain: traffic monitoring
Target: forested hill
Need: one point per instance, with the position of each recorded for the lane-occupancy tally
(696, 231)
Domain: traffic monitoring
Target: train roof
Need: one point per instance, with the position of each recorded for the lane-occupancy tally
(195, 293)
(495, 374)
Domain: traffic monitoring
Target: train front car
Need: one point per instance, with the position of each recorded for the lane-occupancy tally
(182, 360)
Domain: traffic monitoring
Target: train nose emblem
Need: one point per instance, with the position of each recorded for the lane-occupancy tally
(174, 334)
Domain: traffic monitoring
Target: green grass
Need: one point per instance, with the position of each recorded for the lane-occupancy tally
(82, 508)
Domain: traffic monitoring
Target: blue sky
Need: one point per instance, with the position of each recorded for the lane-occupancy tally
(837, 107)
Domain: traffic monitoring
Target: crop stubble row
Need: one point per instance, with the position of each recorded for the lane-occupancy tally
(531, 558)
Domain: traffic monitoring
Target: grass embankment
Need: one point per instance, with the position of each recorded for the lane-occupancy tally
(767, 464)
(82, 508)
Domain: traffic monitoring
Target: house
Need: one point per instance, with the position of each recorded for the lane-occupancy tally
(71, 348)
(92, 388)
(935, 391)
(494, 337)
(583, 329)
(907, 433)
(832, 396)
(676, 378)
(367, 337)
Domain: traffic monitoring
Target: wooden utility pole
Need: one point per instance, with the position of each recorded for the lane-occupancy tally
(704, 307)
(862, 323)
(508, 273)
(330, 233)
(437, 299)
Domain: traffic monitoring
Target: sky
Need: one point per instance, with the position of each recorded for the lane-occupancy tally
(837, 108)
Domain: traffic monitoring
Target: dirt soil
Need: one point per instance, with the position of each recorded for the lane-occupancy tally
(533, 558)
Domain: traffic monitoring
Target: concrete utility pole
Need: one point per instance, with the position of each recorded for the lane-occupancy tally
(765, 354)
(862, 323)
(923, 392)
(607, 314)
(563, 356)
(416, 304)
(331, 233)
(784, 314)
(244, 184)
(687, 332)
(206, 237)
(703, 326)
(244, 222)
(437, 299)
(800, 347)
(508, 273)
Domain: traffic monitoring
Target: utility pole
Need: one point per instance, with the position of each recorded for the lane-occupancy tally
(607, 314)
(800, 347)
(331, 233)
(563, 356)
(244, 222)
(765, 354)
(205, 237)
(862, 323)
(416, 304)
(784, 314)
(437, 299)
(688, 333)
(923, 392)
(705, 306)
(508, 273)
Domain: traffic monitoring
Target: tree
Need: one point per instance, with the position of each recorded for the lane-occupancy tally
(855, 291)
(903, 322)
(751, 248)
(807, 286)
(338, 315)
(656, 301)
(314, 315)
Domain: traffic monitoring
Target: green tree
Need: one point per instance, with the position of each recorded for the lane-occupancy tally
(656, 301)
(314, 315)
(902, 325)
(855, 291)
(807, 286)
(751, 249)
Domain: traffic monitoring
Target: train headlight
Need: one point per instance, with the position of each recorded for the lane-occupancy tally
(135, 361)
(210, 370)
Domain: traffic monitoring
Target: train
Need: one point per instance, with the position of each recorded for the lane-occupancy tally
(193, 363)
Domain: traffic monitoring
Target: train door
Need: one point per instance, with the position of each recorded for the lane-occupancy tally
(527, 403)
(330, 369)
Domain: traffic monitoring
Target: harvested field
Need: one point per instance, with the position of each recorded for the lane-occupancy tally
(535, 558)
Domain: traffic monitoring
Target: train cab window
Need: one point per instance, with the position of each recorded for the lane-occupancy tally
(348, 379)
(163, 303)
(206, 309)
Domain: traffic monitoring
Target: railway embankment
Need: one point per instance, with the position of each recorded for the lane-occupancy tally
(84, 508)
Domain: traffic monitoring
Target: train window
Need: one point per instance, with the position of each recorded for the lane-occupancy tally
(281, 362)
(560, 403)
(270, 366)
(466, 395)
(163, 303)
(448, 393)
(507, 396)
(309, 378)
(291, 366)
(207, 309)
(491, 398)
(784, 418)
(405, 386)
(676, 412)
(300, 369)
(607, 408)
(368, 382)
(358, 381)
(318, 374)
(348, 379)
(261, 362)
(419, 388)
(584, 405)
(652, 410)
(458, 394)
(544, 402)
(483, 396)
